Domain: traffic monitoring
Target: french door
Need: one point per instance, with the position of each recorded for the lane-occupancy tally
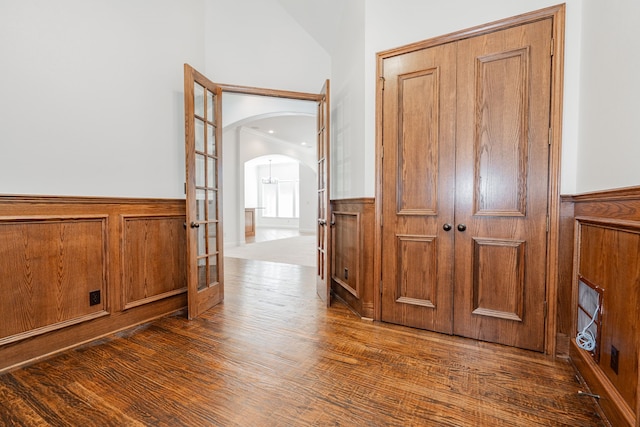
(323, 234)
(465, 185)
(203, 153)
(203, 137)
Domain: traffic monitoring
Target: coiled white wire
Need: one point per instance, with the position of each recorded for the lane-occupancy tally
(585, 338)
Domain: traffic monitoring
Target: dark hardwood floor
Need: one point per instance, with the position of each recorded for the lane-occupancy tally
(272, 355)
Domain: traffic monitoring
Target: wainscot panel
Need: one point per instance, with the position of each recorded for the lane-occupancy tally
(352, 254)
(73, 269)
(606, 288)
(153, 258)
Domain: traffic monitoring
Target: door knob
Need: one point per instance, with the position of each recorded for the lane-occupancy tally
(322, 222)
(446, 227)
(195, 224)
(462, 227)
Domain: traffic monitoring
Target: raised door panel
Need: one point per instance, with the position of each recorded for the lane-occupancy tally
(501, 139)
(502, 173)
(498, 274)
(417, 196)
(418, 143)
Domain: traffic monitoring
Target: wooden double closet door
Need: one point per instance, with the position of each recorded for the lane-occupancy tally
(464, 186)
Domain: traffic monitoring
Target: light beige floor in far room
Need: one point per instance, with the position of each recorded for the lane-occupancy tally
(283, 245)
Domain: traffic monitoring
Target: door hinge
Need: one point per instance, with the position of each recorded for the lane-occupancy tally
(547, 223)
(185, 188)
(382, 80)
(545, 309)
(553, 43)
(382, 151)
(550, 136)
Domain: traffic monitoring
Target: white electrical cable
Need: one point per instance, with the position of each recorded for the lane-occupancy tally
(585, 338)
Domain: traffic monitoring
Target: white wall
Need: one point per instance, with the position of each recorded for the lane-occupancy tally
(91, 92)
(609, 148)
(91, 95)
(350, 152)
(256, 43)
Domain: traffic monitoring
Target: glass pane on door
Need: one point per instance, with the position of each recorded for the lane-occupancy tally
(213, 270)
(211, 173)
(211, 99)
(202, 274)
(200, 204)
(198, 97)
(211, 140)
(212, 242)
(199, 129)
(200, 171)
(213, 206)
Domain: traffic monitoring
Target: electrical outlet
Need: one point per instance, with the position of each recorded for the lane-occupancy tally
(615, 356)
(94, 297)
(346, 274)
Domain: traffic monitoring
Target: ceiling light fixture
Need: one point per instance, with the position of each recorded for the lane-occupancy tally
(270, 180)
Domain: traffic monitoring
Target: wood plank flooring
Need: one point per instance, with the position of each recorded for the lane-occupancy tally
(273, 355)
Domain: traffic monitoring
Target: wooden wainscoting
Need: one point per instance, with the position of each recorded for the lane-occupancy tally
(607, 255)
(74, 269)
(352, 253)
(153, 258)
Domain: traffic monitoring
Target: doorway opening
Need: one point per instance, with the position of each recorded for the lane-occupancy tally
(270, 178)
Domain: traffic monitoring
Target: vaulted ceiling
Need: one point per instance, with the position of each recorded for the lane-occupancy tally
(319, 18)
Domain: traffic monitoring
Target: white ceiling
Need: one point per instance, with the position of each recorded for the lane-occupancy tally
(288, 128)
(320, 18)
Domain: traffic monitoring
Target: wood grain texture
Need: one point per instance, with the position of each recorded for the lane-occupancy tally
(48, 267)
(345, 266)
(418, 188)
(323, 233)
(502, 153)
(565, 276)
(352, 248)
(466, 139)
(609, 258)
(607, 250)
(154, 260)
(54, 250)
(203, 167)
(273, 355)
(502, 100)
